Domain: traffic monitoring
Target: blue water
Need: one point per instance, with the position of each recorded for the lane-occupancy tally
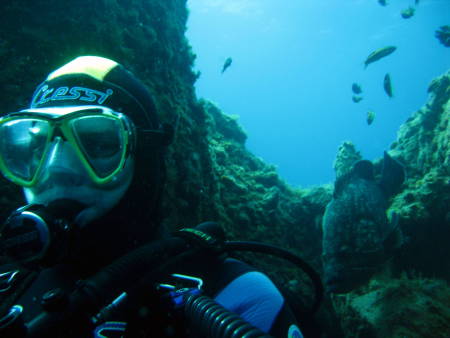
(294, 62)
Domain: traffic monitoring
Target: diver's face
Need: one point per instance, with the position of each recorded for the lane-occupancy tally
(65, 177)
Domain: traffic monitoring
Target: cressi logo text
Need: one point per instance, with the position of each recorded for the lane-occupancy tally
(47, 94)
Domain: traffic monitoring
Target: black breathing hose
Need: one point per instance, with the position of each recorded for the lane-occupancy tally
(210, 319)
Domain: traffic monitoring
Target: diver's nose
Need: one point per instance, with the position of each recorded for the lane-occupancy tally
(63, 167)
(62, 156)
(57, 152)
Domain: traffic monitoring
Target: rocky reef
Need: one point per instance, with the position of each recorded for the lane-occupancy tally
(400, 307)
(423, 145)
(212, 176)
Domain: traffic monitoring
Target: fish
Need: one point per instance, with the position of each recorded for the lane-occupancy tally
(382, 2)
(408, 12)
(443, 35)
(387, 84)
(356, 98)
(358, 238)
(370, 117)
(227, 64)
(378, 54)
(417, 2)
(356, 88)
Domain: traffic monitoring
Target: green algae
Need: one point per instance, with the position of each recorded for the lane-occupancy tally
(400, 307)
(347, 156)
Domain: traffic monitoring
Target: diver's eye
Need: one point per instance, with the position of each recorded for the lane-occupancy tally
(99, 137)
(22, 144)
(99, 145)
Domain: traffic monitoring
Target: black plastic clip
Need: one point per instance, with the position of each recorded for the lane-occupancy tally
(7, 279)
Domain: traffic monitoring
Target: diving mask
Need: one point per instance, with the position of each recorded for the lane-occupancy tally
(101, 138)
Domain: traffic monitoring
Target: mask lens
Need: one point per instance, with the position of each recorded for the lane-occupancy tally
(22, 146)
(101, 139)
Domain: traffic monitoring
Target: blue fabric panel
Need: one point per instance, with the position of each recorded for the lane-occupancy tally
(254, 297)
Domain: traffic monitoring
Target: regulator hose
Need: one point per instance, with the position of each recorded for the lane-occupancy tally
(212, 320)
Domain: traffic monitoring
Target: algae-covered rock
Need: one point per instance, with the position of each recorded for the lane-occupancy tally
(225, 124)
(347, 156)
(423, 142)
(423, 145)
(401, 307)
(423, 207)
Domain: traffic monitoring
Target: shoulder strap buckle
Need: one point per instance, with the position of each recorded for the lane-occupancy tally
(7, 279)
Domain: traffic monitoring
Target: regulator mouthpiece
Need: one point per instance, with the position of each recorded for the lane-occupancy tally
(39, 233)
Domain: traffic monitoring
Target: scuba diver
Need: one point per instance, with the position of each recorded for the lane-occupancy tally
(88, 153)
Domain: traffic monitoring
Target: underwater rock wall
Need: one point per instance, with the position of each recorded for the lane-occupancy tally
(146, 36)
(253, 201)
(423, 142)
(423, 145)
